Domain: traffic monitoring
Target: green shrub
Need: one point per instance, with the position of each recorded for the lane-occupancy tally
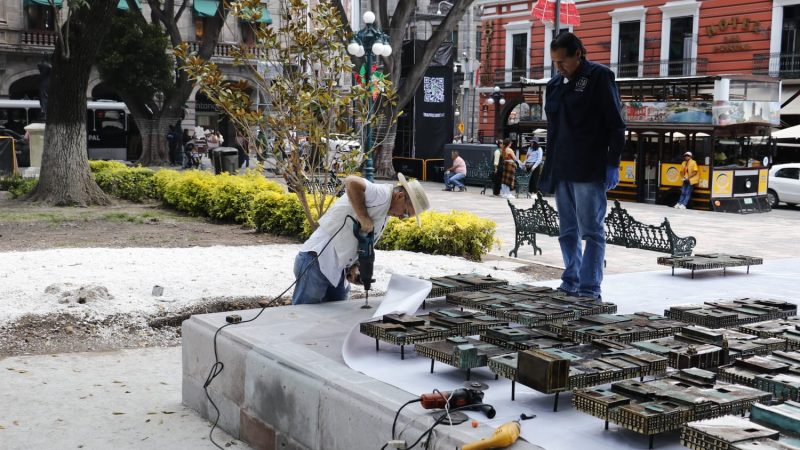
(277, 213)
(22, 186)
(190, 192)
(457, 233)
(163, 178)
(8, 182)
(136, 184)
(100, 166)
(233, 195)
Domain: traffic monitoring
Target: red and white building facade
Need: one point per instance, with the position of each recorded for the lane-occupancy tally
(639, 38)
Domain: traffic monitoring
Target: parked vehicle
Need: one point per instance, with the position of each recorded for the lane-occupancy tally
(20, 145)
(784, 184)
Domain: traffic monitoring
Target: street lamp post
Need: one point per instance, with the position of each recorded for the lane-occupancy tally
(496, 97)
(369, 42)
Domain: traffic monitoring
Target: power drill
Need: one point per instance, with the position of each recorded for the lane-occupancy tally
(459, 398)
(366, 259)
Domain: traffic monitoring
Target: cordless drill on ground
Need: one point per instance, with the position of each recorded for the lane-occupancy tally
(459, 398)
(366, 259)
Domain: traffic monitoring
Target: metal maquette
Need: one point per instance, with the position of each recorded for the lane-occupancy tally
(775, 427)
(639, 326)
(787, 329)
(778, 374)
(709, 261)
(733, 313)
(667, 403)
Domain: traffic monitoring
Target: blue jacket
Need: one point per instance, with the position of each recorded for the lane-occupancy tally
(585, 128)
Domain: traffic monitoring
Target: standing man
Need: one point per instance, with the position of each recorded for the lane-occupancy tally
(326, 264)
(498, 168)
(456, 173)
(585, 136)
(533, 158)
(691, 176)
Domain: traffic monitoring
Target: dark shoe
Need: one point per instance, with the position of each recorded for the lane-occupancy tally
(567, 293)
(447, 189)
(462, 189)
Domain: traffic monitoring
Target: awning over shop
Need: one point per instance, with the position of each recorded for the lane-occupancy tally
(123, 5)
(42, 2)
(265, 17)
(787, 133)
(205, 8)
(787, 91)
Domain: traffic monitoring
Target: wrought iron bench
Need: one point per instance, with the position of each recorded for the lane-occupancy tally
(331, 185)
(480, 175)
(621, 229)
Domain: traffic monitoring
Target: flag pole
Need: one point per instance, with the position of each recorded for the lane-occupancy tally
(556, 20)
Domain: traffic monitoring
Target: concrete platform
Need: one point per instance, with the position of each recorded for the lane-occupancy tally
(285, 384)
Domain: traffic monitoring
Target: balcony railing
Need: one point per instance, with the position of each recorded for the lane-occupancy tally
(229, 50)
(652, 69)
(663, 68)
(37, 38)
(783, 65)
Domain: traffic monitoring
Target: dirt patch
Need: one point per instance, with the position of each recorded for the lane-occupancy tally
(25, 226)
(540, 272)
(58, 333)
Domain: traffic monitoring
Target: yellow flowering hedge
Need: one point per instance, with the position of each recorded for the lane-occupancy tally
(457, 233)
(266, 206)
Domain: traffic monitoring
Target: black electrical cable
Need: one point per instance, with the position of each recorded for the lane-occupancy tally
(394, 424)
(218, 366)
(440, 420)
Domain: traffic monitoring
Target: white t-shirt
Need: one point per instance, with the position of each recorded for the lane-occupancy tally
(374, 195)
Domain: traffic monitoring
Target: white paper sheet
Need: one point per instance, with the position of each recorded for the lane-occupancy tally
(403, 295)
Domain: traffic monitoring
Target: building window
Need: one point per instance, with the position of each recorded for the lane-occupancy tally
(478, 42)
(40, 17)
(519, 56)
(200, 24)
(679, 22)
(628, 49)
(518, 38)
(680, 46)
(627, 41)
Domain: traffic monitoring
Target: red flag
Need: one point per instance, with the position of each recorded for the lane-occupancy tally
(544, 10)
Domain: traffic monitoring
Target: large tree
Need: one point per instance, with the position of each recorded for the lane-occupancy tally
(155, 105)
(65, 178)
(395, 25)
(135, 62)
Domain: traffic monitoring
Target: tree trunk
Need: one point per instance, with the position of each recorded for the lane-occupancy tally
(383, 156)
(65, 178)
(155, 149)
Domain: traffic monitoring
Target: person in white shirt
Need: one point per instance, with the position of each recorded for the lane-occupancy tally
(533, 159)
(327, 261)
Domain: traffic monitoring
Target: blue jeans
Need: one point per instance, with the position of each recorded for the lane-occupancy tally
(313, 287)
(581, 210)
(453, 180)
(686, 193)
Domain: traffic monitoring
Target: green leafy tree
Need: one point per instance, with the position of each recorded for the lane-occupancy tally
(65, 178)
(302, 67)
(163, 103)
(135, 63)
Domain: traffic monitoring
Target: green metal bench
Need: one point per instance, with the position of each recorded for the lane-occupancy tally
(481, 175)
(621, 229)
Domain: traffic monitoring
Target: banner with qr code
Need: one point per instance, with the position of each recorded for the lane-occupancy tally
(433, 112)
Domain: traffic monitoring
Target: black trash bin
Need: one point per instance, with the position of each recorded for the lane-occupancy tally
(226, 159)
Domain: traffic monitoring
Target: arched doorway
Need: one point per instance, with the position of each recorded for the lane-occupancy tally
(103, 92)
(26, 88)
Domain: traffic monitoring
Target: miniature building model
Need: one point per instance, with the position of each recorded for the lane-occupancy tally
(734, 313)
(666, 404)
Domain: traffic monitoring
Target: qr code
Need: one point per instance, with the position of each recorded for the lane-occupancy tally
(434, 90)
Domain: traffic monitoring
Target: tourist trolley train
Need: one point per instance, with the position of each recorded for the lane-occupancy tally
(724, 120)
(108, 130)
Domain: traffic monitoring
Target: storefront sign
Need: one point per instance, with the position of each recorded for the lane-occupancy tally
(667, 112)
(745, 111)
(733, 25)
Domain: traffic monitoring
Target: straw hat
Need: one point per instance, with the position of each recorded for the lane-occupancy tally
(417, 195)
